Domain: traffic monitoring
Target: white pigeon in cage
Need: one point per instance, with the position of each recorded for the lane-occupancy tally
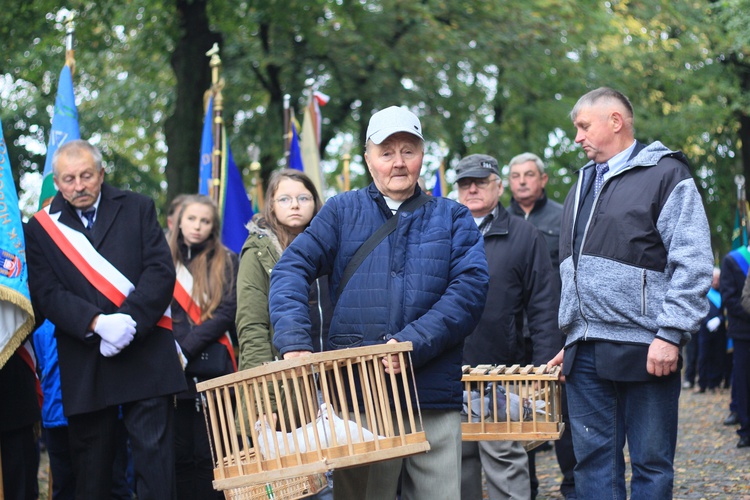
(340, 425)
(270, 440)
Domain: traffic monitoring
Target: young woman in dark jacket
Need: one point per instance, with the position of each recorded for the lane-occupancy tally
(203, 310)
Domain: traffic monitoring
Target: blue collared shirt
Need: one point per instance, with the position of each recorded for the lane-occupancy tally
(618, 161)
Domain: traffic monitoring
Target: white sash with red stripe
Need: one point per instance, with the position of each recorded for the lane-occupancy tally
(183, 294)
(105, 277)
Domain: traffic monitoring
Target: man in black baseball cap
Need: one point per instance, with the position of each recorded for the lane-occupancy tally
(520, 282)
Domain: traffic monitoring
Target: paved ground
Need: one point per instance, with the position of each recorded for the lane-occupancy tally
(707, 465)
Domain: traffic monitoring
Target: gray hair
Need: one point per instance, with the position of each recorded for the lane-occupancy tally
(602, 94)
(75, 148)
(524, 157)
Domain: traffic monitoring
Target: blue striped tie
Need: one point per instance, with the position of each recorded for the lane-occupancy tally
(89, 216)
(601, 169)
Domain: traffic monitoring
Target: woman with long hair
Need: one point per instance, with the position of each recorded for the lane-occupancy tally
(292, 202)
(203, 310)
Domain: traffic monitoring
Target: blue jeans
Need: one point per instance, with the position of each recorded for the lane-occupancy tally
(603, 414)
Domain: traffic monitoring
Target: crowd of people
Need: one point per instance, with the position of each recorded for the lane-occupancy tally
(610, 285)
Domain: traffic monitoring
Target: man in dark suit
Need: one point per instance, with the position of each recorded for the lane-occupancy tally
(100, 270)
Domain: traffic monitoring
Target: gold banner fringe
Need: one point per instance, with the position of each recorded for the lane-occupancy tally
(19, 300)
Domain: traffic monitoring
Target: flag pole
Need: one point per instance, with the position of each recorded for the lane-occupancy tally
(441, 173)
(217, 84)
(345, 172)
(253, 153)
(742, 199)
(741, 215)
(70, 53)
(64, 126)
(287, 129)
(346, 158)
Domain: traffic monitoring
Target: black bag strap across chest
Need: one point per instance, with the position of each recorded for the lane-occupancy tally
(379, 235)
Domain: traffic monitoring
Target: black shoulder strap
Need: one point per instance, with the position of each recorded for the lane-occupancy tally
(369, 245)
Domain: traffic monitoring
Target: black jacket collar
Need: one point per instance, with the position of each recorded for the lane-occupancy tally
(538, 205)
(501, 224)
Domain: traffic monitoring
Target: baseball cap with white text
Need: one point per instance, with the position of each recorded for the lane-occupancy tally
(392, 120)
(477, 166)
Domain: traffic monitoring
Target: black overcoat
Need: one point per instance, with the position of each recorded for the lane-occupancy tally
(128, 235)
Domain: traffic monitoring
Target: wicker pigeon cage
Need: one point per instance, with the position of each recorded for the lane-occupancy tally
(314, 427)
(511, 403)
(281, 489)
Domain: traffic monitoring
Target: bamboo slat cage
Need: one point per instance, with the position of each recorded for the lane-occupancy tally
(282, 489)
(512, 403)
(318, 427)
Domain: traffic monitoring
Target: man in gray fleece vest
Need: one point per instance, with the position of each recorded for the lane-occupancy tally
(635, 263)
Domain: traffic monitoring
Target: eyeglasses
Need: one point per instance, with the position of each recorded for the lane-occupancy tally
(286, 201)
(480, 183)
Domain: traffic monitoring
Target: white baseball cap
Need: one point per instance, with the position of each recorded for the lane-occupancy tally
(389, 121)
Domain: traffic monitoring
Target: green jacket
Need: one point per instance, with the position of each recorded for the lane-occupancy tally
(259, 255)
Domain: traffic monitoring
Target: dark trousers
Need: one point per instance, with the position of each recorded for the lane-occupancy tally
(194, 463)
(741, 384)
(94, 442)
(19, 452)
(61, 465)
(566, 458)
(712, 353)
(691, 360)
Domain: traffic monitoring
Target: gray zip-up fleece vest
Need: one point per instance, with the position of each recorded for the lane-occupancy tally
(645, 260)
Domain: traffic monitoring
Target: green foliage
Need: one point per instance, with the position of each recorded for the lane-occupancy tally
(489, 77)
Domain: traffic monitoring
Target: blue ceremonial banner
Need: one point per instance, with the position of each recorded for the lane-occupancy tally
(437, 191)
(207, 146)
(16, 314)
(64, 129)
(295, 153)
(235, 208)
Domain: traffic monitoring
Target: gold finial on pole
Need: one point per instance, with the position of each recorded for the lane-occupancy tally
(217, 84)
(70, 30)
(214, 63)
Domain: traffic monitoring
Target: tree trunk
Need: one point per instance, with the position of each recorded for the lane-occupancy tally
(184, 127)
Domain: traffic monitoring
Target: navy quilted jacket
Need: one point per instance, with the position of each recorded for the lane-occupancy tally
(426, 283)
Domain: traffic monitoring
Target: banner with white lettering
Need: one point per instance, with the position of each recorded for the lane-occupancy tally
(16, 313)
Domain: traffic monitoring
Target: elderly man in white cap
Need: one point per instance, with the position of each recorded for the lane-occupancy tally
(425, 283)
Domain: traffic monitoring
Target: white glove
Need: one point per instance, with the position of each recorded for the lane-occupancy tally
(108, 350)
(117, 329)
(713, 323)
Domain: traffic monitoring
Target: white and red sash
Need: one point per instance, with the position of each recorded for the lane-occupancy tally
(183, 294)
(97, 270)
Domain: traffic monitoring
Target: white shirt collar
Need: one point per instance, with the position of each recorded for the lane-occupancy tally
(95, 206)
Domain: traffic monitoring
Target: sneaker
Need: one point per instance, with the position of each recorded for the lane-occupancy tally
(687, 385)
(732, 419)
